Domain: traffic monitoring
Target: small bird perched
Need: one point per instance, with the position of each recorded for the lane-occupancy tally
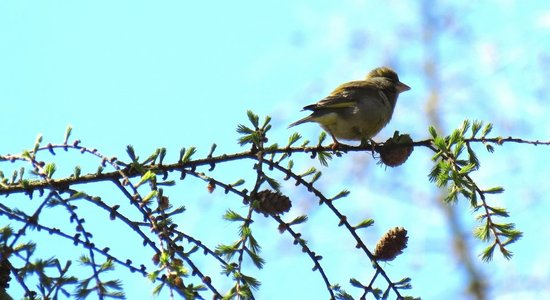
(358, 110)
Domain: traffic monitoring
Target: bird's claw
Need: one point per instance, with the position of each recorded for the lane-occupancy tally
(368, 142)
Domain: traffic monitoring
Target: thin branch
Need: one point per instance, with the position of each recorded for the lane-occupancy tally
(130, 172)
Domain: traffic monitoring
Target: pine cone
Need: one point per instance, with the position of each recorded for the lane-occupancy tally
(5, 268)
(392, 153)
(391, 244)
(271, 203)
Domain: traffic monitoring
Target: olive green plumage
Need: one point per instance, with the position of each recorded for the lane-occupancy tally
(358, 110)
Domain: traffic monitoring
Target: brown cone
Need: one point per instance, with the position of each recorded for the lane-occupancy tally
(391, 244)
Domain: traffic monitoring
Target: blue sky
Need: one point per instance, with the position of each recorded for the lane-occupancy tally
(177, 74)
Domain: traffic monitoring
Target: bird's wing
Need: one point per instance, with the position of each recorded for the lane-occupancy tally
(345, 96)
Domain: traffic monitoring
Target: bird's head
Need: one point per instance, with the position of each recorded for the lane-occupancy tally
(389, 74)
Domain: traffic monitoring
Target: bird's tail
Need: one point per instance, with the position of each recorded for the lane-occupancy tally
(304, 120)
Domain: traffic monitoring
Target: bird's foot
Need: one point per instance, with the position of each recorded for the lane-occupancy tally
(370, 143)
(335, 146)
(367, 142)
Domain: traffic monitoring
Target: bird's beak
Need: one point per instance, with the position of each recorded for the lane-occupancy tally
(401, 87)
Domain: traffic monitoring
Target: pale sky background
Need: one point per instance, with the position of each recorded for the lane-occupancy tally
(177, 74)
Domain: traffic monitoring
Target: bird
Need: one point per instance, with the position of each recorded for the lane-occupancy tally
(357, 110)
